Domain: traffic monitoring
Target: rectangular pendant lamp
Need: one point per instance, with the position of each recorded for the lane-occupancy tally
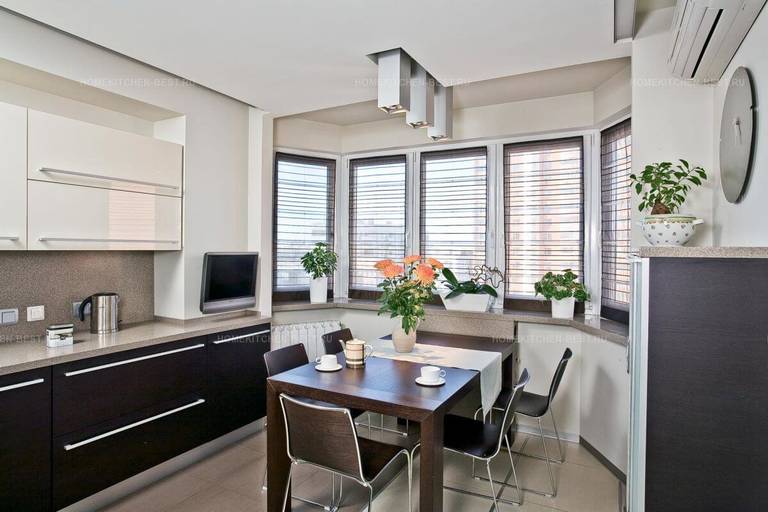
(394, 80)
(443, 127)
(422, 111)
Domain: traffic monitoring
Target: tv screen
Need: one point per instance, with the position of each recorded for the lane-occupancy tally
(229, 281)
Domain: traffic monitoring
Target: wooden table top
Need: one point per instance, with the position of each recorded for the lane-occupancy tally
(506, 346)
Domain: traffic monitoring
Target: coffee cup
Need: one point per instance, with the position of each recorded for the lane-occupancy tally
(327, 362)
(431, 374)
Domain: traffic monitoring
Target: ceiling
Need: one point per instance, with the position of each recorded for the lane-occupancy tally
(292, 56)
(540, 84)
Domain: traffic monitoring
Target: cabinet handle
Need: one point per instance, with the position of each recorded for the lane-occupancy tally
(22, 385)
(234, 338)
(133, 360)
(117, 240)
(108, 178)
(9, 237)
(72, 446)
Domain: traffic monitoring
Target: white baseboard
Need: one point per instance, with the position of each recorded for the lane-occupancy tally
(163, 470)
(529, 429)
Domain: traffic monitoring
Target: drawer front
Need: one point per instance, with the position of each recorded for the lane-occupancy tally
(89, 461)
(25, 441)
(13, 177)
(68, 217)
(79, 153)
(100, 389)
(237, 378)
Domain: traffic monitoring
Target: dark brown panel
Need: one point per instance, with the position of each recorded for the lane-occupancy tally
(25, 442)
(90, 398)
(237, 379)
(707, 382)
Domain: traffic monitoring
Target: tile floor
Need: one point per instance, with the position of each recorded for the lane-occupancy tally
(230, 481)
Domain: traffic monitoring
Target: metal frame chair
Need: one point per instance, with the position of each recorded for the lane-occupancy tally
(487, 452)
(339, 425)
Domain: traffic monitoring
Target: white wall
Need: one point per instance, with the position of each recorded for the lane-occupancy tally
(671, 119)
(216, 146)
(742, 224)
(296, 133)
(613, 98)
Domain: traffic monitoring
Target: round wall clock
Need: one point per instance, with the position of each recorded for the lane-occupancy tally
(737, 133)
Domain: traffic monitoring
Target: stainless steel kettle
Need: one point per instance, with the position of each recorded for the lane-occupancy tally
(104, 309)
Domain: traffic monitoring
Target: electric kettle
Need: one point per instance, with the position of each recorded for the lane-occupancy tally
(103, 312)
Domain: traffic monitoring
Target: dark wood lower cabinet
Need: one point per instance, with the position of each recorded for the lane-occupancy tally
(25, 441)
(237, 378)
(96, 458)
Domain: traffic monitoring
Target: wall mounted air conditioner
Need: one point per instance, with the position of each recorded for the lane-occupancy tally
(706, 35)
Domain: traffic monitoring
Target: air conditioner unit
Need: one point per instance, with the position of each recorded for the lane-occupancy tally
(706, 35)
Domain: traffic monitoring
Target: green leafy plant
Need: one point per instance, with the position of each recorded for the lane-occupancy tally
(320, 261)
(664, 186)
(473, 286)
(561, 286)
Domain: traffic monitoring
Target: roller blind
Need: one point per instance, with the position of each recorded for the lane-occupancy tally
(376, 217)
(615, 208)
(543, 211)
(304, 209)
(454, 194)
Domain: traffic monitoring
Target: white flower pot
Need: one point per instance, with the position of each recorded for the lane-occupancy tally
(479, 302)
(669, 230)
(563, 308)
(318, 290)
(403, 342)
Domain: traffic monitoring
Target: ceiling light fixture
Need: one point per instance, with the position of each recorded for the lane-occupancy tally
(422, 111)
(394, 80)
(443, 126)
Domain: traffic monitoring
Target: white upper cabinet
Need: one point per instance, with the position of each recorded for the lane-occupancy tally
(68, 151)
(13, 177)
(71, 217)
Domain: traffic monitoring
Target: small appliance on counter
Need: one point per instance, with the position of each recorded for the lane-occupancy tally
(104, 309)
(59, 335)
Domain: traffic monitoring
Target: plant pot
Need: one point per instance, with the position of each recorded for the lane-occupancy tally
(479, 302)
(669, 230)
(318, 290)
(563, 308)
(403, 342)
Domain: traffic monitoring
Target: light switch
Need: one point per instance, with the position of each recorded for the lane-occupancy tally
(9, 316)
(35, 313)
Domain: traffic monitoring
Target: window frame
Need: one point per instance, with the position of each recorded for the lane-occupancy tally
(308, 156)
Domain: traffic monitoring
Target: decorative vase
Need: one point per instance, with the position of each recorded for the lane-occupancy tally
(477, 302)
(403, 342)
(563, 308)
(318, 290)
(669, 230)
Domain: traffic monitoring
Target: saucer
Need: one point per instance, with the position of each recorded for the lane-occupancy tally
(331, 369)
(430, 383)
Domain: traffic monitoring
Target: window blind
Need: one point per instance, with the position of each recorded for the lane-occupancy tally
(376, 217)
(543, 212)
(454, 196)
(303, 215)
(615, 209)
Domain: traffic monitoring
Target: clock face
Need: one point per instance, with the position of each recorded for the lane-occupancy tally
(737, 130)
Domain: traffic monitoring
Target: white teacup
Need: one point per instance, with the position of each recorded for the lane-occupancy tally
(327, 362)
(431, 373)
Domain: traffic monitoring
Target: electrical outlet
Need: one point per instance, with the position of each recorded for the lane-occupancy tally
(35, 313)
(76, 309)
(9, 316)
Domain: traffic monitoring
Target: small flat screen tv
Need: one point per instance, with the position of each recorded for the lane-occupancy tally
(229, 281)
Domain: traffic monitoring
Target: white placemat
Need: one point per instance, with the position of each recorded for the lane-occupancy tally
(487, 363)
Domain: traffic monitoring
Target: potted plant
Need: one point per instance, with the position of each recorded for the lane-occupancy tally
(319, 263)
(563, 290)
(405, 289)
(472, 295)
(663, 188)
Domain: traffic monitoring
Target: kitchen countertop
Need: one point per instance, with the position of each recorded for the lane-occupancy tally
(703, 252)
(25, 353)
(600, 327)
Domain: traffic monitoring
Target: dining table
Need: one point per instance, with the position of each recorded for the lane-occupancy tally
(386, 386)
